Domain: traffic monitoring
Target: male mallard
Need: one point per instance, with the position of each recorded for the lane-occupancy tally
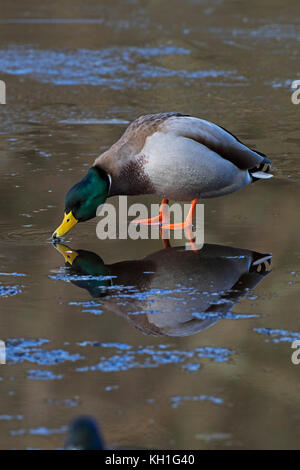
(172, 155)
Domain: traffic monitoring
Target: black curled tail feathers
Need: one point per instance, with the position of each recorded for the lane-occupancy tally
(262, 170)
(261, 263)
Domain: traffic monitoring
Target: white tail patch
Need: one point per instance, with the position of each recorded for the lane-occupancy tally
(262, 175)
(262, 260)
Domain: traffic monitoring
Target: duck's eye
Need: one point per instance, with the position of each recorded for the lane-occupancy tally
(68, 220)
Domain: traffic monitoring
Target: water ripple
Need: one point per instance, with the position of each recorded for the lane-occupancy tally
(150, 357)
(21, 350)
(278, 335)
(6, 291)
(176, 401)
(43, 375)
(114, 67)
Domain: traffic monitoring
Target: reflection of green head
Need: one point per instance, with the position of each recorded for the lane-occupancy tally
(90, 264)
(84, 197)
(86, 263)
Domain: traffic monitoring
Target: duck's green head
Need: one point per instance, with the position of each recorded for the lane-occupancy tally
(83, 199)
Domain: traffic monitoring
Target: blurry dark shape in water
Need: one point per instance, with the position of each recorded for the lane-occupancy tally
(84, 434)
(163, 293)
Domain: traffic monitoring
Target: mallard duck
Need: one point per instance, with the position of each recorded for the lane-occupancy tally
(160, 293)
(172, 155)
(84, 434)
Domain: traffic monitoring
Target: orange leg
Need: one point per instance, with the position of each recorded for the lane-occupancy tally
(159, 219)
(188, 222)
(166, 241)
(189, 235)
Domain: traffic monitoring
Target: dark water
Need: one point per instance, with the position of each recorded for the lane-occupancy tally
(166, 348)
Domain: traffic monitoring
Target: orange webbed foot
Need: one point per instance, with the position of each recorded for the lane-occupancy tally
(159, 219)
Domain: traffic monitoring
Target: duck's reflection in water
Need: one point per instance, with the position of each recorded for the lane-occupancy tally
(173, 292)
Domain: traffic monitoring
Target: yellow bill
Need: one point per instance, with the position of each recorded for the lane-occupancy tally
(68, 254)
(68, 222)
